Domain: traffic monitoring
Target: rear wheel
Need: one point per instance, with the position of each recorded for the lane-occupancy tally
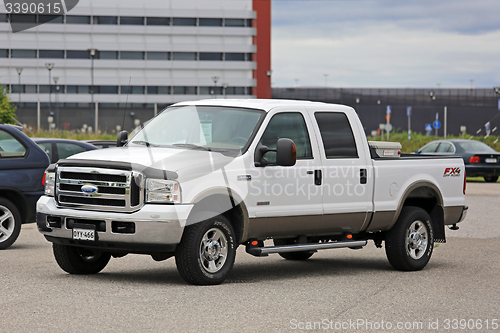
(79, 260)
(10, 223)
(302, 255)
(490, 179)
(410, 242)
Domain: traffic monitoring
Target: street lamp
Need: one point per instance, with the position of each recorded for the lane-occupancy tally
(92, 107)
(269, 93)
(19, 71)
(50, 66)
(215, 79)
(56, 79)
(224, 87)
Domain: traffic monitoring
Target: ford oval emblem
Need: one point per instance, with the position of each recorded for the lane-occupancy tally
(89, 189)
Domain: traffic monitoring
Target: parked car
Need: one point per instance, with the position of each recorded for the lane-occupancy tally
(22, 167)
(102, 143)
(480, 159)
(62, 148)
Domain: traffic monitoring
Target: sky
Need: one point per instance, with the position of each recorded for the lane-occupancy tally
(386, 43)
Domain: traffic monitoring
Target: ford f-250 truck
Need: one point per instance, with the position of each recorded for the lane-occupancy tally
(204, 177)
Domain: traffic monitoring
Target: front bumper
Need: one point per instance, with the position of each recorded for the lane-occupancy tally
(155, 227)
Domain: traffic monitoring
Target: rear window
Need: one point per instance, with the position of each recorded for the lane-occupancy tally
(336, 132)
(10, 147)
(476, 147)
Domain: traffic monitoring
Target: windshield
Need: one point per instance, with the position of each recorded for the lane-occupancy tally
(476, 147)
(200, 127)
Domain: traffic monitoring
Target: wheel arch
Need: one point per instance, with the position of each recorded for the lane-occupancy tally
(17, 200)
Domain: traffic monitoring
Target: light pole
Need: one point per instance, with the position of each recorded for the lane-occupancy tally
(224, 87)
(19, 71)
(50, 66)
(215, 79)
(56, 79)
(269, 93)
(92, 108)
(326, 80)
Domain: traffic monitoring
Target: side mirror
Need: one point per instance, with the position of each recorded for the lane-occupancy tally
(417, 152)
(286, 153)
(122, 139)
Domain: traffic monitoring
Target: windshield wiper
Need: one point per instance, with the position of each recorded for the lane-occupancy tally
(192, 146)
(147, 144)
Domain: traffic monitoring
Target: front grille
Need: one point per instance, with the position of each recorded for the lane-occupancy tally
(115, 190)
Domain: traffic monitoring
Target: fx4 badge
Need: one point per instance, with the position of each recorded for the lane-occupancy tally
(451, 172)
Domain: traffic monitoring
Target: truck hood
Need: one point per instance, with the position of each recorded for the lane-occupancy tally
(180, 161)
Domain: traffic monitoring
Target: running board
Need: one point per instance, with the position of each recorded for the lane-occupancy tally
(257, 251)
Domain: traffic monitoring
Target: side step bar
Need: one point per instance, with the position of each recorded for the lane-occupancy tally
(257, 251)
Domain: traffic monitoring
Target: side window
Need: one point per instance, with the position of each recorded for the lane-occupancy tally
(431, 148)
(289, 125)
(47, 148)
(68, 149)
(10, 147)
(336, 132)
(445, 147)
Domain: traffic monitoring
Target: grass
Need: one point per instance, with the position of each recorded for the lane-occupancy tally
(74, 135)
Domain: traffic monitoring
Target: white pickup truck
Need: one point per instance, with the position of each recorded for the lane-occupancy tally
(204, 177)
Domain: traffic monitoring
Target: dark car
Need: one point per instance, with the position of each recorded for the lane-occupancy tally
(480, 159)
(22, 167)
(62, 148)
(102, 143)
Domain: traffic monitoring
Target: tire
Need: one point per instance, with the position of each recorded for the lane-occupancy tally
(409, 244)
(79, 260)
(207, 250)
(302, 255)
(490, 179)
(10, 223)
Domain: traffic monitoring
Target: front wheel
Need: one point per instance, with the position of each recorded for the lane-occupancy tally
(79, 260)
(490, 179)
(409, 244)
(206, 252)
(10, 223)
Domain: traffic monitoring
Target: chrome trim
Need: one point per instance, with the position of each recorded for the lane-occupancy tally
(308, 247)
(126, 185)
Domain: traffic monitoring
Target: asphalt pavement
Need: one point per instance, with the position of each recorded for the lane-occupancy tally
(339, 290)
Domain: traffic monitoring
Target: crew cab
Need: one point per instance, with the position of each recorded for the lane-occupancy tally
(22, 166)
(204, 177)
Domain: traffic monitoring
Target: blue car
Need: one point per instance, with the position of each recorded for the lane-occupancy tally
(58, 149)
(22, 168)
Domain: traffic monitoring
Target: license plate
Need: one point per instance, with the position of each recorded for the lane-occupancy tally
(491, 160)
(84, 234)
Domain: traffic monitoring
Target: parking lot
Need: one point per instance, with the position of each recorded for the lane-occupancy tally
(336, 290)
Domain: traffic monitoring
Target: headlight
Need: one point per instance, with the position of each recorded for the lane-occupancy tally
(49, 182)
(159, 190)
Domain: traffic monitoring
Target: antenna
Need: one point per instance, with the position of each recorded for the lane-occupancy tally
(126, 104)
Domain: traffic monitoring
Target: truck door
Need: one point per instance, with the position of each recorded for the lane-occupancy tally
(286, 201)
(347, 171)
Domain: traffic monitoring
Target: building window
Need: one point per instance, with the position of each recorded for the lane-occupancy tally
(3, 18)
(107, 89)
(184, 55)
(71, 19)
(23, 18)
(108, 105)
(50, 19)
(131, 20)
(184, 90)
(51, 54)
(23, 53)
(164, 90)
(158, 21)
(83, 89)
(185, 21)
(210, 22)
(44, 88)
(71, 89)
(30, 89)
(210, 56)
(4, 53)
(111, 20)
(77, 54)
(107, 55)
(158, 55)
(131, 55)
(16, 89)
(134, 90)
(234, 22)
(152, 90)
(234, 57)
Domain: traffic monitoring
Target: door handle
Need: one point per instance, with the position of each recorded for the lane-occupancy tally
(318, 177)
(363, 179)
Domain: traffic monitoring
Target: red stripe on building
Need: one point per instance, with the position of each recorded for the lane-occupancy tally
(262, 41)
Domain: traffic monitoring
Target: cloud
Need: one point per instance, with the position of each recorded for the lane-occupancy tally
(386, 43)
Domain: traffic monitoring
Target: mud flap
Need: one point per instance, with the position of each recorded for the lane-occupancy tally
(437, 220)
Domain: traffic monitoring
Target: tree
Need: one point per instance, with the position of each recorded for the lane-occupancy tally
(7, 109)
